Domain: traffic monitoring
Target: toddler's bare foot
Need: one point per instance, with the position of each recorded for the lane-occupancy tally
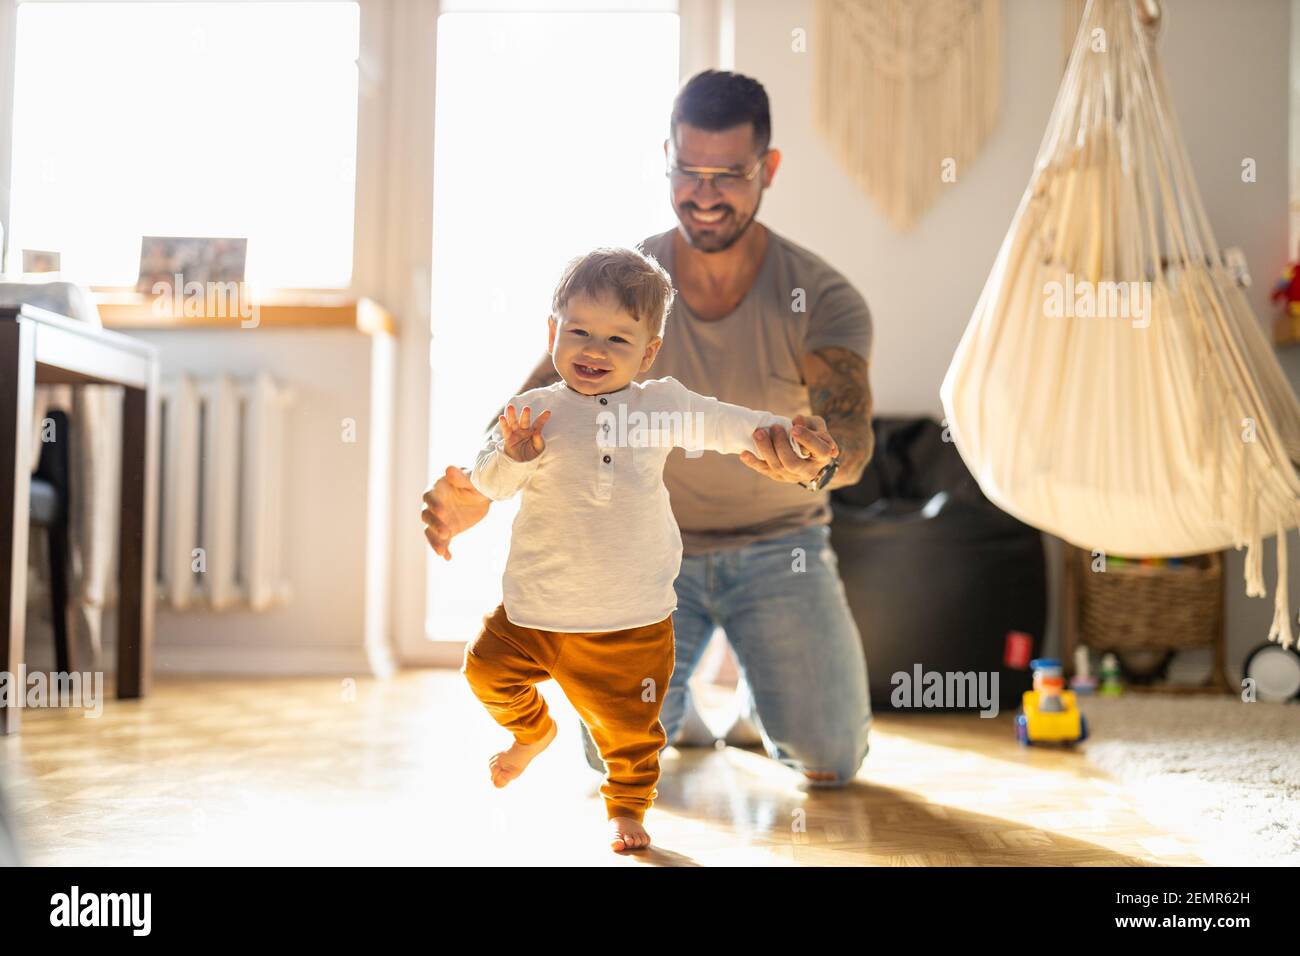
(509, 764)
(628, 835)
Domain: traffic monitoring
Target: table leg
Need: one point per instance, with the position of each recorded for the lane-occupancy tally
(17, 387)
(138, 546)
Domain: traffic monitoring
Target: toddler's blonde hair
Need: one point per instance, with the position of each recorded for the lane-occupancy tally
(633, 279)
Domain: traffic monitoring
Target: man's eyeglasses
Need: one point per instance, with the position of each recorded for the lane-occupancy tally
(724, 178)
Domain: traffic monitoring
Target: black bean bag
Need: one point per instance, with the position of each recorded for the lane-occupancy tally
(937, 576)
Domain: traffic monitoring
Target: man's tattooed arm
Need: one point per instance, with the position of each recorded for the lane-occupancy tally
(840, 393)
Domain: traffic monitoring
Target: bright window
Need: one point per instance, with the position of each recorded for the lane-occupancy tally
(549, 143)
(187, 119)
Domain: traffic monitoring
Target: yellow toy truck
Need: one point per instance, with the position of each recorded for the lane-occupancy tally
(1049, 713)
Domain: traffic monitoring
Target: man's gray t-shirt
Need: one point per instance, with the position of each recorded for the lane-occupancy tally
(751, 357)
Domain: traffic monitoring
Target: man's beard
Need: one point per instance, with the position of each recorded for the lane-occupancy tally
(714, 242)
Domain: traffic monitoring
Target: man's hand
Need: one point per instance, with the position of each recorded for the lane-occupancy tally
(522, 438)
(451, 505)
(778, 460)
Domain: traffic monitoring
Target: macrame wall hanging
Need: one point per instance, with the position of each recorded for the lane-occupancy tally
(1113, 386)
(906, 92)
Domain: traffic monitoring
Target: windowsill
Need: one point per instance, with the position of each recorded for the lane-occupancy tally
(126, 310)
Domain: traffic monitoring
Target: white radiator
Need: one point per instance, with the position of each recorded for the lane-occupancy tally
(222, 459)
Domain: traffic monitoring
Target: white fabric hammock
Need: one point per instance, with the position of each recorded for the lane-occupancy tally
(1169, 433)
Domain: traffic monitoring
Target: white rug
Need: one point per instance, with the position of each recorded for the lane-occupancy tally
(1223, 773)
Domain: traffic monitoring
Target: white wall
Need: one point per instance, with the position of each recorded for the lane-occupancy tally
(1227, 66)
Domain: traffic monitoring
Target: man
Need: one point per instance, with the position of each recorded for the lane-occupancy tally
(760, 322)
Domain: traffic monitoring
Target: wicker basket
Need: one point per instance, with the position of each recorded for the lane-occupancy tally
(1136, 607)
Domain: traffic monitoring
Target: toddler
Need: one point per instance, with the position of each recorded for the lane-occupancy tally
(588, 587)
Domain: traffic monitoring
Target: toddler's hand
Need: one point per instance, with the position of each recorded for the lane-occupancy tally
(522, 440)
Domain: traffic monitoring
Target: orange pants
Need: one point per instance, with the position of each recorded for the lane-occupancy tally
(616, 681)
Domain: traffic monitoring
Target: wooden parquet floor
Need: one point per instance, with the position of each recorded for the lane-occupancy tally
(320, 771)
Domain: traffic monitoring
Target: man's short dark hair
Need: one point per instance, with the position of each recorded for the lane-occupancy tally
(715, 100)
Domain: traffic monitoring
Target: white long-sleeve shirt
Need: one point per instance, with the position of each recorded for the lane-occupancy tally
(595, 546)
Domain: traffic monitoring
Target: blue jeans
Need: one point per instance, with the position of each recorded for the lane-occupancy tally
(800, 657)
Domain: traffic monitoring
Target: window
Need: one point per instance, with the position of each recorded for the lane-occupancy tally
(187, 119)
(549, 142)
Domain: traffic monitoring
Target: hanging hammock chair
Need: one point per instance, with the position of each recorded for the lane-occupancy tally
(1113, 386)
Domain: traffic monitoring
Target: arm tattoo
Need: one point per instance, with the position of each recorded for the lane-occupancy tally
(544, 374)
(839, 391)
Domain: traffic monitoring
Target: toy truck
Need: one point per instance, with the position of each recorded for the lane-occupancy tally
(1049, 713)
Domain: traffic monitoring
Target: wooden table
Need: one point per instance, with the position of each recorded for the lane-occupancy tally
(39, 347)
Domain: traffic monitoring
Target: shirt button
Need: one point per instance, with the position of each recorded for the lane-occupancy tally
(604, 401)
(607, 459)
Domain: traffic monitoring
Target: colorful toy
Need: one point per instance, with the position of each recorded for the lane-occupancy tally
(1117, 561)
(1111, 685)
(1082, 683)
(1287, 290)
(1049, 713)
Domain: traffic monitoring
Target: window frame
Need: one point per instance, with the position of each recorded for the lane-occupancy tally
(8, 57)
